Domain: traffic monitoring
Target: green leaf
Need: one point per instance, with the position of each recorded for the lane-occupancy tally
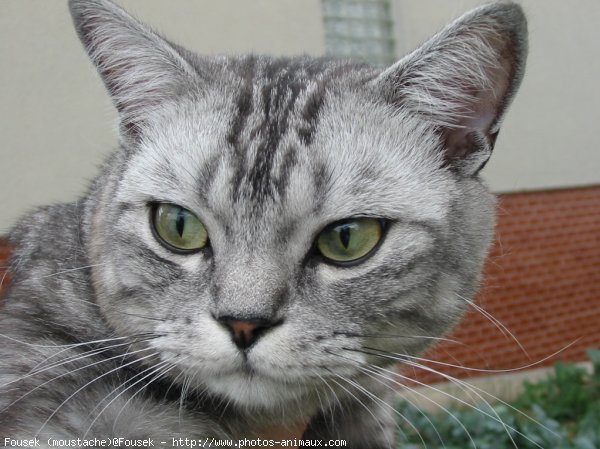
(564, 411)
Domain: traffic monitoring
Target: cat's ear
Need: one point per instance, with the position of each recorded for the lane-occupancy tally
(140, 69)
(462, 81)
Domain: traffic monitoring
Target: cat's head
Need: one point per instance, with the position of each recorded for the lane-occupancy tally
(272, 221)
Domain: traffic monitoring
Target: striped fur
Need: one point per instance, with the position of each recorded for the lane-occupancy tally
(266, 152)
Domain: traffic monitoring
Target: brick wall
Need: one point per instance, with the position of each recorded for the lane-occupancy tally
(542, 283)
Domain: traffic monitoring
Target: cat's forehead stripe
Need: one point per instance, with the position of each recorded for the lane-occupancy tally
(269, 93)
(276, 110)
(278, 98)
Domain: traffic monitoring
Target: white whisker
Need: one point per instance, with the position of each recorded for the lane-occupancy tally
(467, 387)
(152, 370)
(496, 322)
(92, 381)
(424, 396)
(63, 375)
(70, 270)
(144, 337)
(371, 375)
(363, 405)
(403, 357)
(495, 418)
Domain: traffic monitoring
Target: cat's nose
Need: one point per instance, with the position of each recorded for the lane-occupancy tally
(244, 333)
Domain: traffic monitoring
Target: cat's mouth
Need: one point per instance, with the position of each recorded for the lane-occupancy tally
(251, 371)
(247, 369)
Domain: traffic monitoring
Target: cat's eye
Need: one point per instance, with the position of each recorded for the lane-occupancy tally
(350, 240)
(178, 228)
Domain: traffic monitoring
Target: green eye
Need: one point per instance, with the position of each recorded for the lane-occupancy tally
(350, 240)
(179, 228)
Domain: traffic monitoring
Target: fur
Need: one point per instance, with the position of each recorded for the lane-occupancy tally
(105, 332)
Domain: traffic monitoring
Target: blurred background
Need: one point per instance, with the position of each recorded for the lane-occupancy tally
(541, 299)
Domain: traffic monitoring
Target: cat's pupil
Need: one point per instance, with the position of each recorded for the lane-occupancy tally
(345, 235)
(180, 222)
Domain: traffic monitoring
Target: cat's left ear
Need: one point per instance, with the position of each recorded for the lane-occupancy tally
(463, 80)
(140, 69)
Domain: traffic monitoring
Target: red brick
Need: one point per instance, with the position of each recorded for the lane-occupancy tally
(542, 283)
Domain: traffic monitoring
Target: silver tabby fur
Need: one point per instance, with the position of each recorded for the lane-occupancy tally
(105, 332)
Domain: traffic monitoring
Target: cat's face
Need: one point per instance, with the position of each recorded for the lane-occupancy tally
(271, 158)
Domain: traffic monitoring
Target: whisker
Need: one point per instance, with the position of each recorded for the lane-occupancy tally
(73, 358)
(63, 375)
(382, 402)
(70, 345)
(356, 399)
(497, 419)
(367, 372)
(378, 372)
(496, 322)
(465, 388)
(424, 337)
(10, 267)
(321, 403)
(92, 381)
(370, 373)
(145, 317)
(153, 369)
(70, 270)
(174, 380)
(187, 380)
(138, 338)
(469, 388)
(334, 394)
(161, 372)
(34, 371)
(115, 390)
(403, 357)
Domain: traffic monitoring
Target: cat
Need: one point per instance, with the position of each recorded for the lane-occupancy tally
(271, 238)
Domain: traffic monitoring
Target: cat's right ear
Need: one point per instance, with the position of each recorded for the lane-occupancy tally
(140, 69)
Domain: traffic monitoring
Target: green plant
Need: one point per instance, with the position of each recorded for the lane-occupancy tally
(560, 412)
(594, 356)
(564, 396)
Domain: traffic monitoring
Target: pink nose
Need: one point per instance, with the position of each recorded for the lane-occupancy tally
(244, 333)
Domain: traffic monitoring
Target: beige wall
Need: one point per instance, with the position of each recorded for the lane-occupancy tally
(57, 123)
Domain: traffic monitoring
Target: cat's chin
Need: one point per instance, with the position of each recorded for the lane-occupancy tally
(255, 390)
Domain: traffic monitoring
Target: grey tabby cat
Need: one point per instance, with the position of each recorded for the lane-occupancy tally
(273, 235)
